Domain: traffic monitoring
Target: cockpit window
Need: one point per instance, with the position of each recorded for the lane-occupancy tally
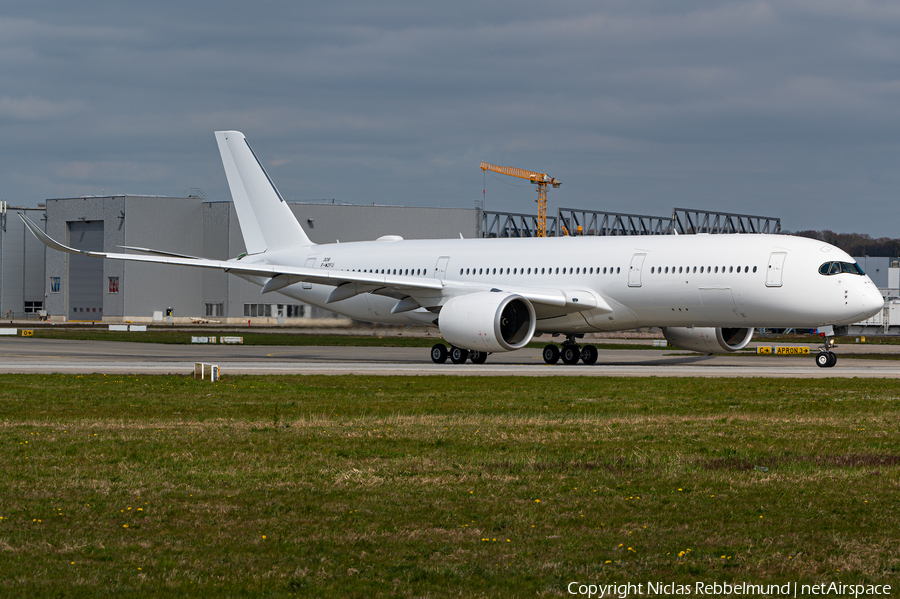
(836, 268)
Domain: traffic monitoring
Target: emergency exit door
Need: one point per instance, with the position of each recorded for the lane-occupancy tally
(440, 269)
(776, 269)
(634, 272)
(310, 263)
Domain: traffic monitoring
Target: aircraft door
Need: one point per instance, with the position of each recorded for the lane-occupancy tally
(634, 273)
(776, 269)
(310, 263)
(440, 269)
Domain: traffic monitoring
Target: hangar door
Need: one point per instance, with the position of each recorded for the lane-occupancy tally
(85, 274)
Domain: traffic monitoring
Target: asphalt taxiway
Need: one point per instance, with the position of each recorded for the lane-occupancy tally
(24, 355)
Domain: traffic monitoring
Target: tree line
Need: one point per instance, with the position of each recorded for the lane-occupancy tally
(856, 244)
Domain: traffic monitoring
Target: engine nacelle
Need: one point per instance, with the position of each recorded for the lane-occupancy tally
(708, 340)
(488, 321)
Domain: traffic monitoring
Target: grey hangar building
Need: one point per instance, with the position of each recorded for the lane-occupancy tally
(36, 282)
(39, 282)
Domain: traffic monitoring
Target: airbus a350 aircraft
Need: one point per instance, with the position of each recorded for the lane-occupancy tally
(706, 292)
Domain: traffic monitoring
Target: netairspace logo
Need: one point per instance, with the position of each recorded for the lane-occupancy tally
(724, 589)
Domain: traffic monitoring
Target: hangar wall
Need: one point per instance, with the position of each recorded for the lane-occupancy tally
(21, 265)
(195, 227)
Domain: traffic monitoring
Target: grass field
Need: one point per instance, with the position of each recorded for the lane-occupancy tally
(277, 338)
(441, 486)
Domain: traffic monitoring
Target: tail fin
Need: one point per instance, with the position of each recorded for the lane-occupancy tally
(267, 222)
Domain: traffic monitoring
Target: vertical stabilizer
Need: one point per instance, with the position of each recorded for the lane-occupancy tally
(267, 222)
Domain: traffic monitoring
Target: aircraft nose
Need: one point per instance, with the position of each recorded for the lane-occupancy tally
(872, 300)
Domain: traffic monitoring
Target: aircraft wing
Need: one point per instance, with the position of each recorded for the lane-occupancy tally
(424, 291)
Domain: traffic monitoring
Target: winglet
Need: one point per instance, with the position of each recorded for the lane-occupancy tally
(49, 241)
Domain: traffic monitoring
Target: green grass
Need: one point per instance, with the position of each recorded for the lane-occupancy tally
(250, 338)
(274, 338)
(441, 486)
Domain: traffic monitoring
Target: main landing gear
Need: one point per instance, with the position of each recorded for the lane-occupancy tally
(826, 358)
(570, 353)
(457, 355)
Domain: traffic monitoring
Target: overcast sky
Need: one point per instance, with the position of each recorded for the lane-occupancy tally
(788, 108)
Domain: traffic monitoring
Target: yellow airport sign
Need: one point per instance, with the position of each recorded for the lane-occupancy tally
(783, 351)
(27, 333)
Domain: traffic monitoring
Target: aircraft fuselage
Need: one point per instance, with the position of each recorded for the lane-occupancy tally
(665, 281)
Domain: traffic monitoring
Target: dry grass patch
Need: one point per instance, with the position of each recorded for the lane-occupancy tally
(364, 486)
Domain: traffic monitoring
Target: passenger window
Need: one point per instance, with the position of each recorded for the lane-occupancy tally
(695, 269)
(618, 269)
(604, 270)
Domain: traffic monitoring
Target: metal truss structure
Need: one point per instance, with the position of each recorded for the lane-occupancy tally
(572, 221)
(687, 220)
(509, 224)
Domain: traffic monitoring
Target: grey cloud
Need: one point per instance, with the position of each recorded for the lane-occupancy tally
(782, 107)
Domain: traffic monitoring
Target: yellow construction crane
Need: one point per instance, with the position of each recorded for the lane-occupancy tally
(539, 179)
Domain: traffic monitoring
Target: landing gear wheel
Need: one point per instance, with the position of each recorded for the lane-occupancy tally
(826, 358)
(551, 354)
(478, 357)
(570, 354)
(589, 355)
(458, 355)
(439, 353)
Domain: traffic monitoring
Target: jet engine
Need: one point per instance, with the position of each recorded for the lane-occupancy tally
(488, 321)
(708, 340)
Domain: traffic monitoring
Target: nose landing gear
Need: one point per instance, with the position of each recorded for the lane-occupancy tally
(826, 358)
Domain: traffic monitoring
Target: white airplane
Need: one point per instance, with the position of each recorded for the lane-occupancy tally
(706, 292)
